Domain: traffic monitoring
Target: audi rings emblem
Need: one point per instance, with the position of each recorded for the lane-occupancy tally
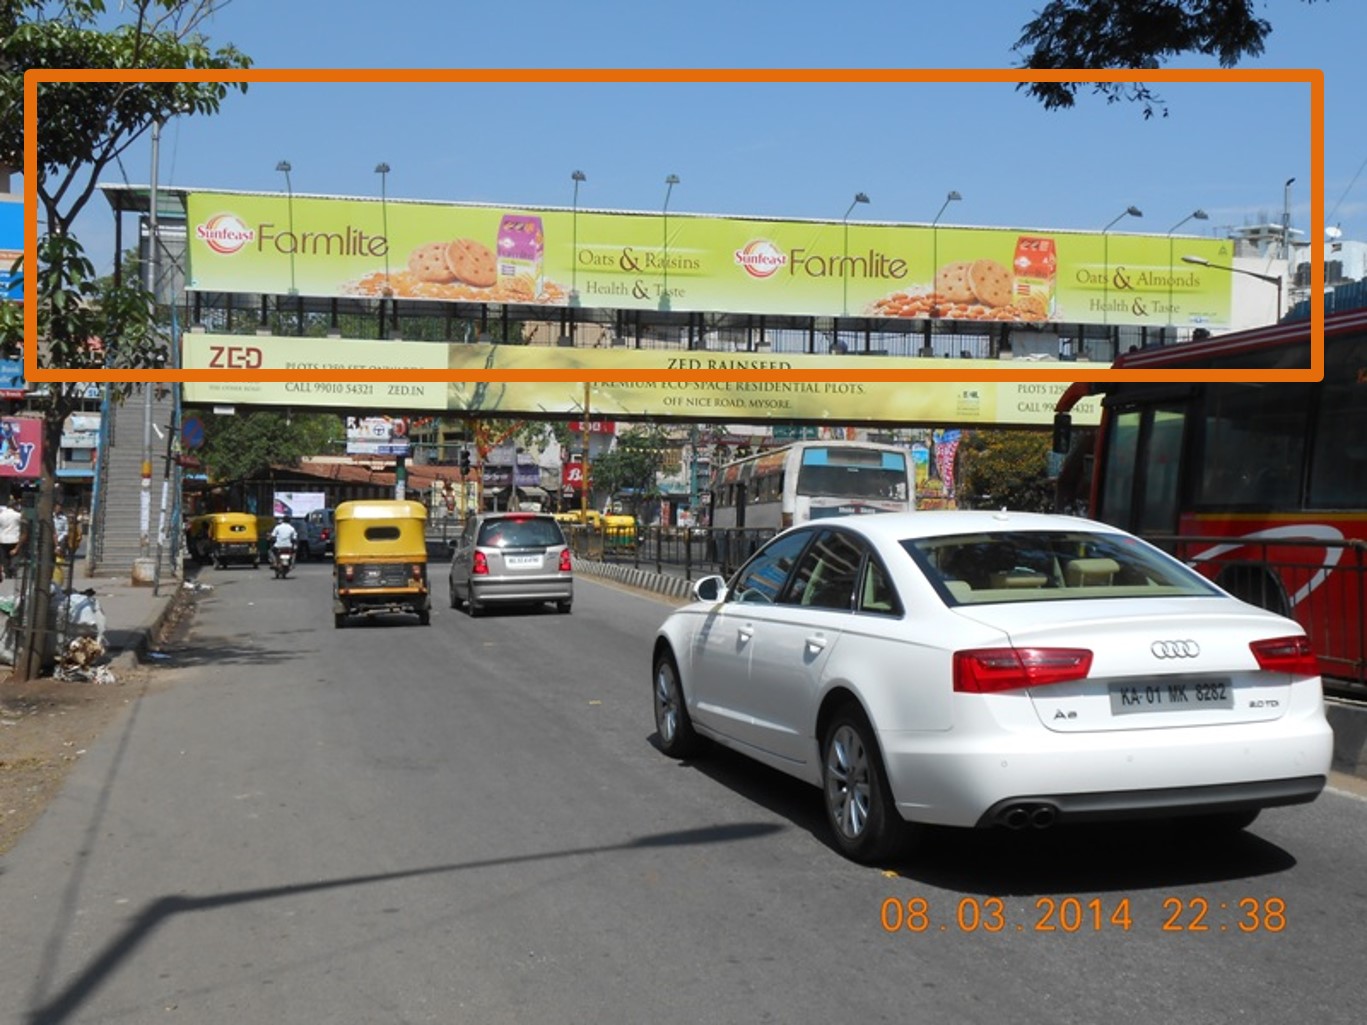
(1175, 649)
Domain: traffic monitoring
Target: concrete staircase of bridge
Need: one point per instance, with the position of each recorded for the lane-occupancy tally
(116, 532)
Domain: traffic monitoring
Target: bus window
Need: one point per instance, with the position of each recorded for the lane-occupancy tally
(1162, 461)
(1122, 445)
(1254, 445)
(1338, 462)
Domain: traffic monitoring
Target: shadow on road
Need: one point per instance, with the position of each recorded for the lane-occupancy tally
(1068, 859)
(152, 917)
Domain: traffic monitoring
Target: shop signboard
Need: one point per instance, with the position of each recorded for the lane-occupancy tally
(21, 447)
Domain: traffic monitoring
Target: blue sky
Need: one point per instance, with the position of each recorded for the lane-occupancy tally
(775, 149)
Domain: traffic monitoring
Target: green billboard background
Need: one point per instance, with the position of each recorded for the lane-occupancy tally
(335, 247)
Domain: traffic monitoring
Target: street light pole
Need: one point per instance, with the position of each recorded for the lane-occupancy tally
(1199, 215)
(144, 572)
(935, 255)
(1286, 227)
(1129, 211)
(382, 169)
(1271, 279)
(859, 197)
(670, 182)
(584, 426)
(285, 168)
(576, 177)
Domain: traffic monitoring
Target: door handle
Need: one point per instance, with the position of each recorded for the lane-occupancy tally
(817, 641)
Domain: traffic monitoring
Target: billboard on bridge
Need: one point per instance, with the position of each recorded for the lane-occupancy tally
(1023, 402)
(337, 247)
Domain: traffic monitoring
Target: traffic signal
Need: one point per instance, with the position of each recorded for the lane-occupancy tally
(464, 461)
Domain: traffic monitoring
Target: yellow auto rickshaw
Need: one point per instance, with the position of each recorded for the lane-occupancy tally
(222, 538)
(380, 560)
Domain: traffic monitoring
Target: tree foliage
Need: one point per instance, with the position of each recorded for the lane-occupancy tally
(1006, 469)
(242, 447)
(83, 127)
(1108, 34)
(634, 465)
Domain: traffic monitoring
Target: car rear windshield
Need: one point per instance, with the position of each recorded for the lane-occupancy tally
(532, 532)
(972, 569)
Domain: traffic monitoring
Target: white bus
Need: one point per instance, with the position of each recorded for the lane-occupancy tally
(809, 480)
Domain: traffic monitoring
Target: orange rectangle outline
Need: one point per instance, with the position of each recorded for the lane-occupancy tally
(1313, 77)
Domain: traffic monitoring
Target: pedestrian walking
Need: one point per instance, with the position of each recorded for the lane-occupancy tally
(11, 533)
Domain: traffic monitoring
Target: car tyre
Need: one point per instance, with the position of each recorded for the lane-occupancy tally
(451, 593)
(672, 722)
(563, 607)
(859, 805)
(339, 620)
(425, 617)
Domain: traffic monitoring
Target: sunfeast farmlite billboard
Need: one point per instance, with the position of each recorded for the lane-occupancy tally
(324, 246)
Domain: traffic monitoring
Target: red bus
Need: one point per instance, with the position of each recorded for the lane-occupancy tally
(1263, 487)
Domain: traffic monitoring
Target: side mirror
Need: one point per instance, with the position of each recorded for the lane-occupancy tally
(1063, 433)
(710, 589)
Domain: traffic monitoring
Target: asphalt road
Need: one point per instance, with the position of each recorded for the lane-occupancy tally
(468, 822)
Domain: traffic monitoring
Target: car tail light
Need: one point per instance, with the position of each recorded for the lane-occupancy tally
(1292, 655)
(325, 533)
(481, 565)
(565, 561)
(988, 670)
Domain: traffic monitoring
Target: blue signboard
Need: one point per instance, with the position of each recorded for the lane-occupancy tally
(11, 248)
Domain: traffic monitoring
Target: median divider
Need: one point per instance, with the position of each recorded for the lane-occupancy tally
(648, 580)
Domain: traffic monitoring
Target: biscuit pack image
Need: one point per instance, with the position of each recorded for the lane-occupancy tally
(521, 249)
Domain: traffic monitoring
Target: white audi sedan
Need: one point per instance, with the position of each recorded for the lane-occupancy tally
(978, 669)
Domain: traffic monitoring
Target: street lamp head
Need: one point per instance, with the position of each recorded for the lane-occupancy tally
(284, 166)
(579, 176)
(1130, 211)
(1200, 215)
(673, 179)
(859, 197)
(381, 168)
(953, 195)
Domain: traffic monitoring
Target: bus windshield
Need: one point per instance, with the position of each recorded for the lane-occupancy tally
(853, 473)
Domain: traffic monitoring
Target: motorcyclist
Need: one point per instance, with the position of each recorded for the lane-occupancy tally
(283, 536)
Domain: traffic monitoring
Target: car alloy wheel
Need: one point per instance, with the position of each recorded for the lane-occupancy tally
(859, 805)
(672, 723)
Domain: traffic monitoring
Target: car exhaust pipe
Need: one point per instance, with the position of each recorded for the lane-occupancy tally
(1044, 816)
(1016, 817)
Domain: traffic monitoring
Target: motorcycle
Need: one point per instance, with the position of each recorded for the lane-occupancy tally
(282, 559)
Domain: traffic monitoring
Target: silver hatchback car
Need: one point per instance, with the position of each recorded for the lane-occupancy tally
(511, 558)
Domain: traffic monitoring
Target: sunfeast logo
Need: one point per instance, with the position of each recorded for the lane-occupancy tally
(224, 233)
(761, 258)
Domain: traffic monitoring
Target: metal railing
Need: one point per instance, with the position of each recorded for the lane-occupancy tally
(1322, 584)
(687, 552)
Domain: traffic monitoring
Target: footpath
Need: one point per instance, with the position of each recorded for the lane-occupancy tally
(135, 616)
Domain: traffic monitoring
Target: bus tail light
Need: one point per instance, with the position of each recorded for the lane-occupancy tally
(1292, 655)
(989, 670)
